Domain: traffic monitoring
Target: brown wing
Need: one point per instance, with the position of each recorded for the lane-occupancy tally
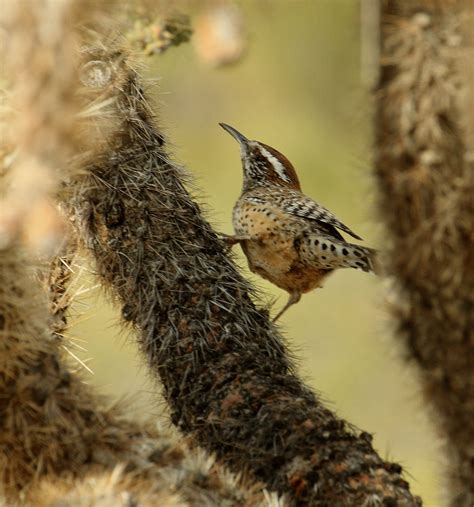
(304, 207)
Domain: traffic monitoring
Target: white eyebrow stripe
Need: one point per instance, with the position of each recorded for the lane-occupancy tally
(255, 200)
(277, 165)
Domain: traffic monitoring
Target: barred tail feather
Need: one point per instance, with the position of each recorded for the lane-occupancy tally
(371, 257)
(330, 253)
(357, 257)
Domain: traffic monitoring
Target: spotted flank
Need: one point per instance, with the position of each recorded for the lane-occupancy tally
(326, 252)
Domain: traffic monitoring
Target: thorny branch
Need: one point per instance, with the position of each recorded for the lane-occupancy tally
(425, 173)
(60, 442)
(225, 369)
(227, 376)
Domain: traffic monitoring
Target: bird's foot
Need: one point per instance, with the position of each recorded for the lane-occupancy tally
(293, 299)
(231, 240)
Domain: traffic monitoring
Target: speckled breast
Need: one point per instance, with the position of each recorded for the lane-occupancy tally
(270, 249)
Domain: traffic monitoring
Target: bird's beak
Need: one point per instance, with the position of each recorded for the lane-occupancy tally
(243, 141)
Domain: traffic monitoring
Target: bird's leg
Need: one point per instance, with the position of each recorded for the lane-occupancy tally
(293, 299)
(231, 240)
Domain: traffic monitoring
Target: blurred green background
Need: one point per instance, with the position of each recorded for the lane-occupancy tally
(297, 88)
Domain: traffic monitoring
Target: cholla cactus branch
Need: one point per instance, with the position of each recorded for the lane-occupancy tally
(425, 172)
(59, 288)
(60, 442)
(156, 36)
(56, 434)
(225, 369)
(41, 72)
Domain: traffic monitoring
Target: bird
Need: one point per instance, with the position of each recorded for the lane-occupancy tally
(288, 238)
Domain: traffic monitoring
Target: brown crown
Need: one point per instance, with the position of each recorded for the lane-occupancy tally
(289, 169)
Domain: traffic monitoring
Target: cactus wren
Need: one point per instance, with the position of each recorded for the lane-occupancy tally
(288, 238)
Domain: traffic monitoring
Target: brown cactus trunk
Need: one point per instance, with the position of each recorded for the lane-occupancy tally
(226, 372)
(425, 171)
